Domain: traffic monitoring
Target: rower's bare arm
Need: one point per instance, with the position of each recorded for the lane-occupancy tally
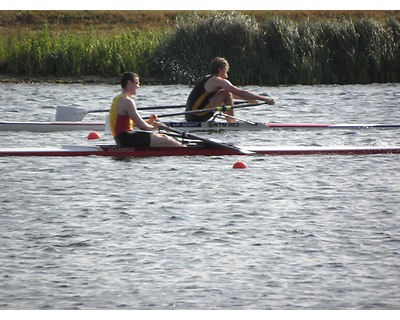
(244, 94)
(130, 107)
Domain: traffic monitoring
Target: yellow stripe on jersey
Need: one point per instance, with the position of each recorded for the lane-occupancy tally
(199, 104)
(113, 113)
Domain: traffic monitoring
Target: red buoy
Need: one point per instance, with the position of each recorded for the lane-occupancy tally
(93, 135)
(239, 165)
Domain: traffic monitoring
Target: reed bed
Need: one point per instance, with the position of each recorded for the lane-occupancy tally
(281, 51)
(273, 52)
(57, 54)
(185, 53)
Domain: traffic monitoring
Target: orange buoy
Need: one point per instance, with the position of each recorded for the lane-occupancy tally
(93, 135)
(239, 165)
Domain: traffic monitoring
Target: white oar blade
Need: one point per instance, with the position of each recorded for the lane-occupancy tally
(69, 113)
(107, 127)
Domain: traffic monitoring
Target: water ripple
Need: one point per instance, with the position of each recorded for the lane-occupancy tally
(318, 232)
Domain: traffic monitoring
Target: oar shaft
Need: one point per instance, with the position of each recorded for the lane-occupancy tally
(162, 107)
(236, 118)
(182, 113)
(71, 113)
(244, 105)
(142, 108)
(177, 106)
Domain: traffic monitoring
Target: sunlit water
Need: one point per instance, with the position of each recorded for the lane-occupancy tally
(311, 232)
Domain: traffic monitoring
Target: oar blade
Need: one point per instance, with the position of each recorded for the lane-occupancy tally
(69, 113)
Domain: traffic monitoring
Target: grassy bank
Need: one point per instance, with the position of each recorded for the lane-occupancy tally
(47, 53)
(265, 48)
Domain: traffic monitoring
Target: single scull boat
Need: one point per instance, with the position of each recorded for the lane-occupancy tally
(256, 126)
(55, 126)
(193, 150)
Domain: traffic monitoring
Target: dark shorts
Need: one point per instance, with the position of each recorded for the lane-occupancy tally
(133, 139)
(199, 117)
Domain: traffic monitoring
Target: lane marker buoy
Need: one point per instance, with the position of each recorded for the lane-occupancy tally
(239, 165)
(93, 135)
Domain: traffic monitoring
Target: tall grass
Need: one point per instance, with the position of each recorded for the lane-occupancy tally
(185, 54)
(276, 51)
(282, 51)
(48, 53)
(360, 51)
(356, 52)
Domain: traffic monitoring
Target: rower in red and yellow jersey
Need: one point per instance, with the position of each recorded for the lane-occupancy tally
(216, 90)
(123, 115)
(119, 123)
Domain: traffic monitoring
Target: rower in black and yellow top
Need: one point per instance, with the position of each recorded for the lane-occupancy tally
(199, 99)
(215, 90)
(123, 115)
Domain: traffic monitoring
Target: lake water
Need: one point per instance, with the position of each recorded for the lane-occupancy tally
(294, 232)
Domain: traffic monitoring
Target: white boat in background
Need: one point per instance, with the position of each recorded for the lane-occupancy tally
(257, 126)
(55, 126)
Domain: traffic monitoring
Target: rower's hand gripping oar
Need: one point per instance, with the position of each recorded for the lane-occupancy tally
(210, 142)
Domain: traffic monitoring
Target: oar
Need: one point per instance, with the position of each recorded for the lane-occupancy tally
(211, 142)
(219, 108)
(225, 115)
(70, 113)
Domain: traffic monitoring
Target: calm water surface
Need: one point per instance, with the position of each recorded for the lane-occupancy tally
(314, 232)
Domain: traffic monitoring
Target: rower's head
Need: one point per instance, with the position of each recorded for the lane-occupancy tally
(130, 82)
(129, 76)
(218, 65)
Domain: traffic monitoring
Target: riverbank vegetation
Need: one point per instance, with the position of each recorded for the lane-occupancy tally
(263, 48)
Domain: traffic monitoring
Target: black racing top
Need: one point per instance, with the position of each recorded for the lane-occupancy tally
(199, 99)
